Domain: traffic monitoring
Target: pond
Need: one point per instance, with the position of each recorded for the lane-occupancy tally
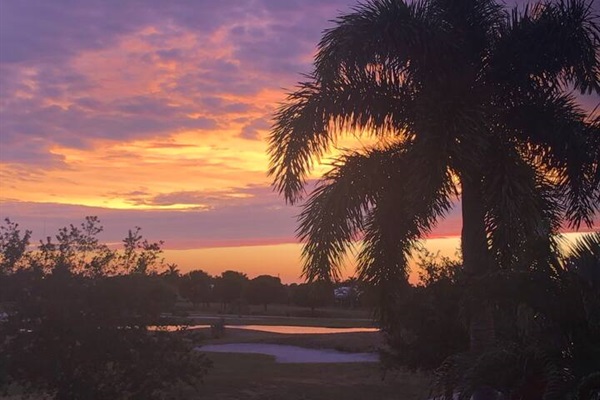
(278, 329)
(292, 354)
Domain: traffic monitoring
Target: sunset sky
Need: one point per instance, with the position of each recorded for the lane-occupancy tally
(155, 114)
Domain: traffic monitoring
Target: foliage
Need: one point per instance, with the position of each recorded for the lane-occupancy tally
(76, 250)
(265, 290)
(230, 287)
(87, 338)
(196, 286)
(140, 255)
(549, 331)
(434, 268)
(13, 246)
(429, 323)
(77, 325)
(313, 294)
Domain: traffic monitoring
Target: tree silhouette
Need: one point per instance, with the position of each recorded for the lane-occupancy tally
(466, 99)
(139, 255)
(13, 246)
(265, 290)
(313, 295)
(76, 249)
(196, 286)
(230, 287)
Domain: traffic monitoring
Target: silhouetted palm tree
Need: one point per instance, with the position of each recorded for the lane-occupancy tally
(467, 100)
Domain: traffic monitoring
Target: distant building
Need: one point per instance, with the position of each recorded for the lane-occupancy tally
(343, 292)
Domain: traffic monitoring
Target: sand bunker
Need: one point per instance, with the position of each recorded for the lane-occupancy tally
(292, 354)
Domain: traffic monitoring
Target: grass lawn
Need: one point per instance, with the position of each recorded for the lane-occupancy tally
(276, 313)
(326, 322)
(256, 376)
(253, 376)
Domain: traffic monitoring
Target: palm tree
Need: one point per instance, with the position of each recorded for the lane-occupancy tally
(466, 99)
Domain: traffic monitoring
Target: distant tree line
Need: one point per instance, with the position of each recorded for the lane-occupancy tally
(233, 290)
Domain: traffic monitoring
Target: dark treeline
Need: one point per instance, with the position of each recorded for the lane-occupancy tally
(234, 292)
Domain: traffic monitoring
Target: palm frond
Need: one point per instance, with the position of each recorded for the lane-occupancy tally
(392, 195)
(586, 246)
(589, 387)
(394, 226)
(377, 101)
(553, 44)
(584, 258)
(593, 132)
(333, 216)
(406, 209)
(477, 23)
(558, 136)
(391, 32)
(522, 212)
(363, 81)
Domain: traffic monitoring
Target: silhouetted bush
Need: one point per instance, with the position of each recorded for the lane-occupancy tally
(547, 325)
(76, 327)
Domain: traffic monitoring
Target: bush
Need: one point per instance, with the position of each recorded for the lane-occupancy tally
(428, 323)
(547, 328)
(77, 329)
(87, 338)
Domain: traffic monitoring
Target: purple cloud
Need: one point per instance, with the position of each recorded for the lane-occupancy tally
(250, 130)
(261, 218)
(47, 97)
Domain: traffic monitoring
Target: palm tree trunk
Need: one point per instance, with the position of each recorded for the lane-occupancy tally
(476, 261)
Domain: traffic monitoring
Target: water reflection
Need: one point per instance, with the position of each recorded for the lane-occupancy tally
(284, 329)
(302, 329)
